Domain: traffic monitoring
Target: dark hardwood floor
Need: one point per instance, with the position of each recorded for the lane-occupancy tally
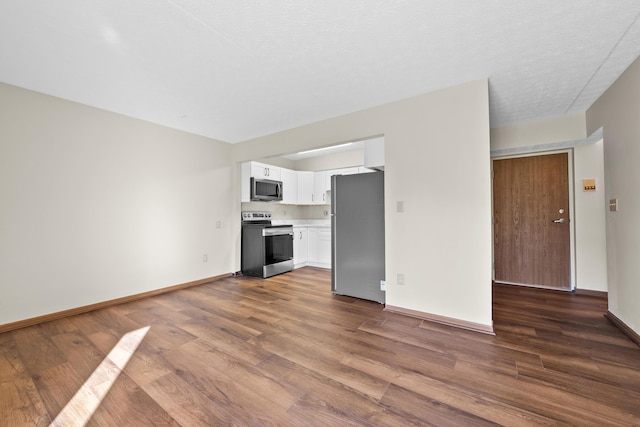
(285, 351)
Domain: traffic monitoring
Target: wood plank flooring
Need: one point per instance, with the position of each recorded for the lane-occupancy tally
(285, 351)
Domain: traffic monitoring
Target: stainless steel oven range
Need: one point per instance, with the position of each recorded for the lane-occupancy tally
(267, 249)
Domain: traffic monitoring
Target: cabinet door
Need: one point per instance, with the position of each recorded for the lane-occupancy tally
(320, 188)
(312, 254)
(327, 178)
(305, 187)
(304, 245)
(324, 246)
(319, 247)
(264, 171)
(258, 170)
(300, 246)
(273, 173)
(289, 186)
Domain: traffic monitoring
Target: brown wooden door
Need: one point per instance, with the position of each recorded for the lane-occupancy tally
(531, 231)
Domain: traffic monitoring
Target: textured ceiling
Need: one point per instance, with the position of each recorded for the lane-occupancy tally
(234, 70)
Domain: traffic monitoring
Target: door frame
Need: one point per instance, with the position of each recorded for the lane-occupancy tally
(572, 237)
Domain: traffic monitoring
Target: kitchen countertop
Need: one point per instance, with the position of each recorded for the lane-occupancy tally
(303, 222)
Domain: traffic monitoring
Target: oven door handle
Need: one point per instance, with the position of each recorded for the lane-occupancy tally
(277, 232)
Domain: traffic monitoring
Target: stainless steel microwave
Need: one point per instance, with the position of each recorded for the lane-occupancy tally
(266, 190)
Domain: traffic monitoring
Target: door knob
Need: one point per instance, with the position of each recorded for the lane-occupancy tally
(559, 221)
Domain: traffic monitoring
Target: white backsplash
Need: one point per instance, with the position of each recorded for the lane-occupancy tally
(283, 212)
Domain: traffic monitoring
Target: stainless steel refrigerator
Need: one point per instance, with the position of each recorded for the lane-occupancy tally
(357, 235)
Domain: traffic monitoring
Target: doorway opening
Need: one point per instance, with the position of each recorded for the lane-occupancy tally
(533, 220)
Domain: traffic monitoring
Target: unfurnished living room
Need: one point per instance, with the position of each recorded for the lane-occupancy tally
(377, 213)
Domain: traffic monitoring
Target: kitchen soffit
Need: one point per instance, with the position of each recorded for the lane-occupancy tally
(234, 70)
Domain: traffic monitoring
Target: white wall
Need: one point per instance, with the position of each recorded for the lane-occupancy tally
(437, 163)
(540, 134)
(617, 112)
(343, 159)
(96, 206)
(280, 162)
(569, 132)
(590, 226)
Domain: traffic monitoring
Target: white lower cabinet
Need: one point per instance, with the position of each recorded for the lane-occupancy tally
(319, 254)
(300, 246)
(312, 253)
(324, 247)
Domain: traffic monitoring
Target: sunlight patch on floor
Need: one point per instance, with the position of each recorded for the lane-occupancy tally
(80, 408)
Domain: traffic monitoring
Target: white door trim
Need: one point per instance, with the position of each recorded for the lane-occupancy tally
(571, 182)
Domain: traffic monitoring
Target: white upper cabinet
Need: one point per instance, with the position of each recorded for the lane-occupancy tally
(374, 153)
(298, 187)
(305, 187)
(289, 180)
(264, 171)
(320, 188)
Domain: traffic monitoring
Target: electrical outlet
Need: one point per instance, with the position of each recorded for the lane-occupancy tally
(218, 224)
(400, 279)
(383, 285)
(205, 258)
